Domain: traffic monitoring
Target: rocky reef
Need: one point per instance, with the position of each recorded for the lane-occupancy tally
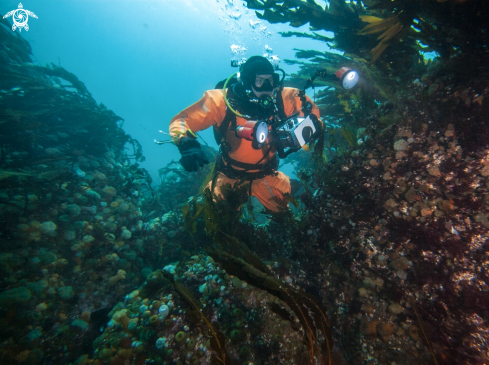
(382, 260)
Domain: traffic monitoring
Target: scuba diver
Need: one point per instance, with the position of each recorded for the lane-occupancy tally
(254, 119)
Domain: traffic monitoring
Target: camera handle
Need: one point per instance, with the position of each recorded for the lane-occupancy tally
(306, 105)
(278, 145)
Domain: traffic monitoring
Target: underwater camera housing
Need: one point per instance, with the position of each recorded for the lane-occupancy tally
(296, 132)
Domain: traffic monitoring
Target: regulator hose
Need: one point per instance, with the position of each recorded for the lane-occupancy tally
(226, 98)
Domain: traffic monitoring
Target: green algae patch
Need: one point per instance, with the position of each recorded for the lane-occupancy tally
(20, 295)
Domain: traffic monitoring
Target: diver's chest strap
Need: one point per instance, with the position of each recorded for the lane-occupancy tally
(225, 165)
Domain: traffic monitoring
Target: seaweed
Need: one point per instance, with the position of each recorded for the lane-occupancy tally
(350, 135)
(198, 313)
(309, 312)
(190, 217)
(223, 213)
(427, 22)
(392, 30)
(424, 331)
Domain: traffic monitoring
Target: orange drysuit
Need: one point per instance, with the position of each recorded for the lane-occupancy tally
(210, 111)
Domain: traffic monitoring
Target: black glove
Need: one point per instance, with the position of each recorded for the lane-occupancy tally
(192, 155)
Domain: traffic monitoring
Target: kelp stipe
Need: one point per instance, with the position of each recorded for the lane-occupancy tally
(424, 331)
(220, 214)
(191, 213)
(252, 270)
(198, 313)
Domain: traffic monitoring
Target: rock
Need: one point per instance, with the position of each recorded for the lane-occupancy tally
(369, 308)
(426, 212)
(385, 330)
(404, 132)
(374, 163)
(369, 283)
(395, 308)
(400, 155)
(410, 195)
(401, 145)
(368, 328)
(390, 205)
(450, 131)
(400, 264)
(362, 292)
(433, 88)
(66, 292)
(380, 260)
(434, 171)
(20, 295)
(413, 332)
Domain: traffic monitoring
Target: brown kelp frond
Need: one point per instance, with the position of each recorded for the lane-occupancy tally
(349, 134)
(190, 216)
(379, 26)
(395, 33)
(6, 174)
(217, 340)
(231, 244)
(68, 76)
(370, 19)
(314, 35)
(424, 331)
(300, 304)
(391, 32)
(208, 177)
(391, 27)
(222, 214)
(155, 283)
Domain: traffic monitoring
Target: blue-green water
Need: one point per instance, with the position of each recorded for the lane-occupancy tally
(147, 60)
(112, 254)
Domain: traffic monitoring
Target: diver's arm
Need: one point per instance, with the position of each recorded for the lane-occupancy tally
(293, 104)
(208, 111)
(297, 106)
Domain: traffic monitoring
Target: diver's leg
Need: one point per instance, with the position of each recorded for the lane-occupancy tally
(270, 191)
(220, 182)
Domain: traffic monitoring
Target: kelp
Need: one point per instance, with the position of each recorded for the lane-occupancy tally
(219, 213)
(350, 135)
(429, 22)
(198, 314)
(424, 330)
(392, 30)
(6, 174)
(191, 212)
(309, 312)
(173, 196)
(314, 35)
(220, 219)
(60, 72)
(18, 50)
